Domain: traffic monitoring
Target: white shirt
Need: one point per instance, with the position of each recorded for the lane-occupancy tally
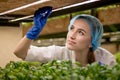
(45, 54)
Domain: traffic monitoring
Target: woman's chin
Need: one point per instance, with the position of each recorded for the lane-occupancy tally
(69, 47)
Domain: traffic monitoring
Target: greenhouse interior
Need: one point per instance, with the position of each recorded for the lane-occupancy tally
(17, 20)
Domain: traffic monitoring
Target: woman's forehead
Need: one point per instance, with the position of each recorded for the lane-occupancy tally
(81, 23)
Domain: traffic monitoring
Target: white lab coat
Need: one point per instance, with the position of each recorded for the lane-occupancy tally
(45, 54)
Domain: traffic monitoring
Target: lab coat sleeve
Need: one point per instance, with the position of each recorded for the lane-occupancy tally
(44, 54)
(105, 57)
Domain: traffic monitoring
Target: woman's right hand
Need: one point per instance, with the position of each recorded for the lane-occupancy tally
(40, 17)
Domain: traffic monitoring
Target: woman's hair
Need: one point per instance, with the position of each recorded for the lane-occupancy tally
(96, 33)
(90, 56)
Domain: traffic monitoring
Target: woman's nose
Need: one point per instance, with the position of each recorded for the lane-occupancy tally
(73, 35)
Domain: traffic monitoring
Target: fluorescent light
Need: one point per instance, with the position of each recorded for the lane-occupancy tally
(2, 17)
(73, 5)
(23, 7)
(17, 19)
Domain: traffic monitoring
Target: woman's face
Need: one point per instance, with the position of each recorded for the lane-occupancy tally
(79, 36)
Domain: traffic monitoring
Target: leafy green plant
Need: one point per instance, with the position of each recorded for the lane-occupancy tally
(58, 70)
(117, 56)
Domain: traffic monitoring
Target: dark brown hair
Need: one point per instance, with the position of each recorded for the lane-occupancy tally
(90, 56)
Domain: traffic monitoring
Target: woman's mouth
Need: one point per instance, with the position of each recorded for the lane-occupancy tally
(71, 42)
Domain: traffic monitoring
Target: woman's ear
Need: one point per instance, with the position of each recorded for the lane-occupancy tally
(90, 45)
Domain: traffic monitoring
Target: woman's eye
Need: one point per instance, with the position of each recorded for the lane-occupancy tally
(81, 33)
(71, 28)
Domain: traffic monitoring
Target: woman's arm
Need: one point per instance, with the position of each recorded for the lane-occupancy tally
(22, 47)
(40, 18)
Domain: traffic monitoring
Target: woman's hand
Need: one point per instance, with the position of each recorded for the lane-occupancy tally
(40, 17)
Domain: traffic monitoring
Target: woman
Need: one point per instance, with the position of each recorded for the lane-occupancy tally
(82, 43)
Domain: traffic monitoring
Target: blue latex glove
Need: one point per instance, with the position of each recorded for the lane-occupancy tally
(40, 19)
(100, 63)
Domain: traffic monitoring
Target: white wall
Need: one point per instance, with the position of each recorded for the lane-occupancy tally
(9, 37)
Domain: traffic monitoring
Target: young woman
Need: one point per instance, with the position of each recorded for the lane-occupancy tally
(82, 43)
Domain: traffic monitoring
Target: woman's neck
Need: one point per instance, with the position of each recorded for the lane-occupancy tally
(81, 56)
